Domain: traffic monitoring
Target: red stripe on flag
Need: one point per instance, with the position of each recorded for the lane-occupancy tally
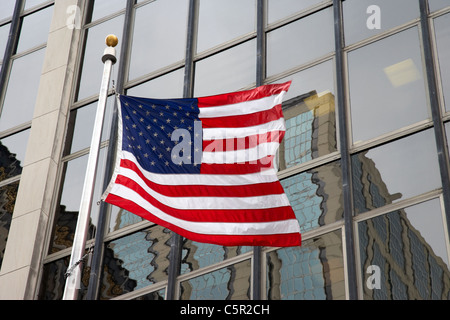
(275, 240)
(241, 96)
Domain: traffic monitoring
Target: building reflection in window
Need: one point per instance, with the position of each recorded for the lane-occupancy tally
(409, 249)
(314, 271)
(229, 283)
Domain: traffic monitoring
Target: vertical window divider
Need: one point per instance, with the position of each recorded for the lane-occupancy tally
(436, 113)
(94, 278)
(345, 153)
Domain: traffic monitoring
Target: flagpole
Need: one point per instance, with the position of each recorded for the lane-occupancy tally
(74, 270)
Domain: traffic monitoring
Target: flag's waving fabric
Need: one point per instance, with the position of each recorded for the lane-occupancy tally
(203, 167)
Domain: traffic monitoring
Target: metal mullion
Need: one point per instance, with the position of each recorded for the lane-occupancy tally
(345, 153)
(436, 113)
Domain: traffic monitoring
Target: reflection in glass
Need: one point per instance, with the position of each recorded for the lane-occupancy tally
(437, 4)
(81, 125)
(53, 281)
(157, 295)
(32, 3)
(101, 9)
(362, 21)
(314, 271)
(35, 29)
(24, 78)
(120, 218)
(316, 195)
(409, 248)
(165, 87)
(159, 37)
(8, 195)
(135, 261)
(12, 154)
(220, 21)
(387, 90)
(67, 211)
(6, 9)
(279, 9)
(300, 41)
(92, 66)
(198, 255)
(309, 111)
(442, 31)
(227, 71)
(398, 170)
(230, 283)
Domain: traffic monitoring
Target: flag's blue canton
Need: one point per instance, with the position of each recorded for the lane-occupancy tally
(148, 129)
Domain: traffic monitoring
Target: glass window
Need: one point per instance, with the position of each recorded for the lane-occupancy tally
(159, 37)
(387, 90)
(437, 4)
(12, 154)
(92, 67)
(314, 271)
(198, 255)
(156, 295)
(103, 8)
(135, 261)
(229, 283)
(6, 8)
(69, 204)
(300, 41)
(53, 281)
(81, 126)
(366, 18)
(120, 218)
(398, 170)
(4, 34)
(25, 74)
(220, 21)
(164, 87)
(32, 3)
(8, 196)
(227, 71)
(309, 111)
(279, 9)
(442, 31)
(403, 255)
(35, 29)
(316, 196)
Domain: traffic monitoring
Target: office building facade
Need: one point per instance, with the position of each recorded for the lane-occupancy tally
(364, 162)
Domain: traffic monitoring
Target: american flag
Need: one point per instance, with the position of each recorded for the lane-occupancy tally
(204, 167)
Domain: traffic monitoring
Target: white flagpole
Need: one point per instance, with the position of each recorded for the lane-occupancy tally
(74, 270)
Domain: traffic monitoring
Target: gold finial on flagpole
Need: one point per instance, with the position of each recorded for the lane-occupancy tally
(111, 40)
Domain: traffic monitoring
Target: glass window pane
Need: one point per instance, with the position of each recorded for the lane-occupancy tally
(405, 255)
(8, 196)
(103, 8)
(220, 21)
(437, 4)
(164, 87)
(366, 18)
(230, 283)
(120, 218)
(309, 111)
(398, 170)
(152, 296)
(69, 204)
(314, 271)
(442, 31)
(159, 36)
(198, 255)
(25, 74)
(4, 34)
(316, 196)
(53, 281)
(12, 154)
(35, 29)
(279, 9)
(81, 126)
(297, 42)
(31, 3)
(6, 8)
(92, 67)
(227, 71)
(387, 90)
(135, 261)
